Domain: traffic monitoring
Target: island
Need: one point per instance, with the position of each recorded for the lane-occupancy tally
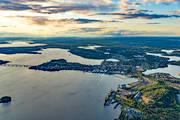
(62, 64)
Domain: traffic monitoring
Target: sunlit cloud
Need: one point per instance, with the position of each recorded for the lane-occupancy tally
(154, 23)
(41, 20)
(138, 15)
(161, 1)
(126, 4)
(95, 17)
(176, 12)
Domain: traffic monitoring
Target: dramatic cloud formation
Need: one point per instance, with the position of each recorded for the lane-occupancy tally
(57, 7)
(8, 5)
(40, 20)
(126, 4)
(89, 17)
(138, 15)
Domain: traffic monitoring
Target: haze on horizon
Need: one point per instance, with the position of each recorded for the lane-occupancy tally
(89, 18)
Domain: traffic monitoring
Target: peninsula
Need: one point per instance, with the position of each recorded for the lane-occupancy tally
(125, 67)
(153, 97)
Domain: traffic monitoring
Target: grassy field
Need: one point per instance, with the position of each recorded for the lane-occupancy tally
(159, 102)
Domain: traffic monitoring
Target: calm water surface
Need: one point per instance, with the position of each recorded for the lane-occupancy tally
(20, 44)
(65, 95)
(91, 47)
(47, 55)
(171, 58)
(171, 69)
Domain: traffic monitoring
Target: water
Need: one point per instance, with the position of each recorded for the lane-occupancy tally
(47, 55)
(168, 51)
(114, 60)
(64, 95)
(91, 47)
(171, 69)
(20, 44)
(171, 58)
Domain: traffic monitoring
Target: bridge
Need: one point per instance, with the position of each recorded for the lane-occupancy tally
(16, 65)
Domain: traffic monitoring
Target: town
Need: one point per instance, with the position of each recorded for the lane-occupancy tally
(120, 66)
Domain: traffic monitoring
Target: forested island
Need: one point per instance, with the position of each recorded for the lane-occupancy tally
(62, 64)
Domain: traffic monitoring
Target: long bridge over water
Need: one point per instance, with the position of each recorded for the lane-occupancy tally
(16, 65)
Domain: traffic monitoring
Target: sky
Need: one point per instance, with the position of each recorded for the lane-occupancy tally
(89, 18)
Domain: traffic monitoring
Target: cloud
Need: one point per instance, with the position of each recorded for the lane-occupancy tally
(154, 23)
(86, 20)
(41, 20)
(64, 8)
(90, 29)
(115, 32)
(4, 26)
(121, 33)
(135, 33)
(56, 6)
(87, 31)
(11, 34)
(80, 6)
(61, 8)
(8, 5)
(126, 4)
(69, 14)
(32, 0)
(142, 14)
(177, 12)
(161, 1)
